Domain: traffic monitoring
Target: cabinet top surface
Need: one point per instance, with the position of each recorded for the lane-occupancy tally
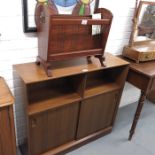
(145, 68)
(6, 97)
(31, 73)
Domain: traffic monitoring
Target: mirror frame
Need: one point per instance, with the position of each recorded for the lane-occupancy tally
(136, 19)
(26, 27)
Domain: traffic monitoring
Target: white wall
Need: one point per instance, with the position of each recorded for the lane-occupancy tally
(17, 47)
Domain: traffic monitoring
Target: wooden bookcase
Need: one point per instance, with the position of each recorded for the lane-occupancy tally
(77, 104)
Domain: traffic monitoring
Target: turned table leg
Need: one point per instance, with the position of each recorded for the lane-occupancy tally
(137, 114)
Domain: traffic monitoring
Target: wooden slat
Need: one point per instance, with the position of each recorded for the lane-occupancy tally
(52, 103)
(104, 88)
(72, 54)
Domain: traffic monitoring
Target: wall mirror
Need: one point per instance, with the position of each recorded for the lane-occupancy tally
(63, 7)
(145, 23)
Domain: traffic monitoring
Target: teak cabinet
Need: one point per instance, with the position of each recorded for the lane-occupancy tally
(77, 104)
(7, 130)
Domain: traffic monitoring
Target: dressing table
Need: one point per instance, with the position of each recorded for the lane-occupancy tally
(141, 54)
(142, 76)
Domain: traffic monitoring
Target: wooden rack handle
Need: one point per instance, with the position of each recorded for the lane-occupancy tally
(80, 21)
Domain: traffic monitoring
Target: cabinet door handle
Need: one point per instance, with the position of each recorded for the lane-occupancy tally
(33, 123)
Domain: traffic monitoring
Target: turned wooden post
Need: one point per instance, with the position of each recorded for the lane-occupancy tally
(137, 114)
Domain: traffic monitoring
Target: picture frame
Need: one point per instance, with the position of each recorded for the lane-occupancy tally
(27, 27)
(28, 7)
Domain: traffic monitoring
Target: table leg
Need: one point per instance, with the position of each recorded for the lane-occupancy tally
(137, 114)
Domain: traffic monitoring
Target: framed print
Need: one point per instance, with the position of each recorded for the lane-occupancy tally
(75, 7)
(28, 15)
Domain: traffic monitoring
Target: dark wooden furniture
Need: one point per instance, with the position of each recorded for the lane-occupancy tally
(7, 130)
(63, 37)
(74, 106)
(142, 76)
(142, 43)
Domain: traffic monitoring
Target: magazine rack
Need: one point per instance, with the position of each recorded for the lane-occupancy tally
(62, 37)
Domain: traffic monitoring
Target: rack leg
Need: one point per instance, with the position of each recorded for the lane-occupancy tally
(38, 61)
(48, 69)
(89, 59)
(137, 114)
(46, 65)
(101, 59)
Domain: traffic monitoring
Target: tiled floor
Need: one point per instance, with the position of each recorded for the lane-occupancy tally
(116, 143)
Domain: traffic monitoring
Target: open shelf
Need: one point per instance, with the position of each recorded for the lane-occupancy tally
(51, 103)
(100, 82)
(52, 94)
(104, 88)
